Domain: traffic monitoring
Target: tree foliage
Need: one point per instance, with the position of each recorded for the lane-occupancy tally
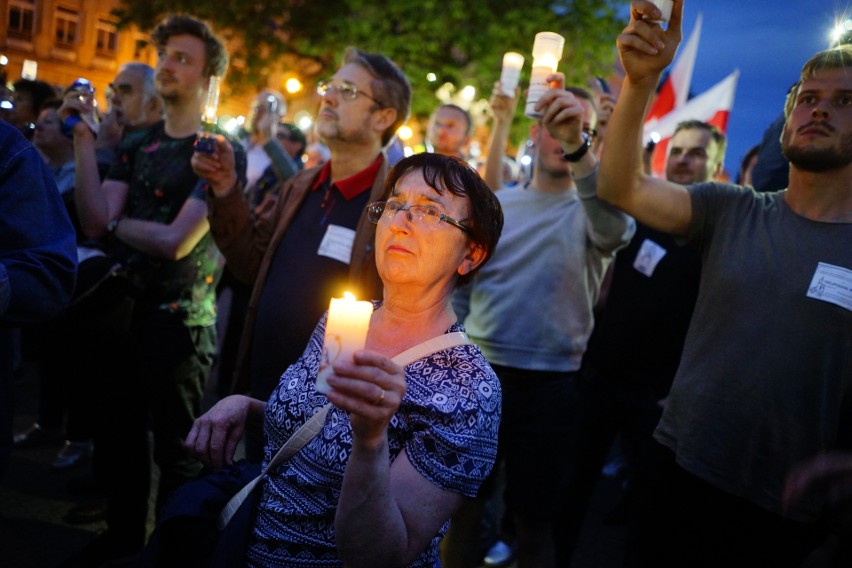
(460, 41)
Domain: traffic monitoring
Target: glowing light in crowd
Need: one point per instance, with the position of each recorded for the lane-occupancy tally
(468, 92)
(404, 132)
(293, 85)
(232, 124)
(431, 77)
(3, 60)
(304, 120)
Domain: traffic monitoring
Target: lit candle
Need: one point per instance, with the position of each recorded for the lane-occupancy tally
(211, 103)
(512, 65)
(547, 51)
(205, 142)
(345, 333)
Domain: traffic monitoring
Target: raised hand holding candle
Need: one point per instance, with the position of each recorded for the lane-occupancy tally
(345, 333)
(512, 65)
(547, 51)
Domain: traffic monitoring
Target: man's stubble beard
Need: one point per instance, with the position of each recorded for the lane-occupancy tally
(818, 160)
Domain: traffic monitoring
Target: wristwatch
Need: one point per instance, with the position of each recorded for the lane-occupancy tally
(579, 152)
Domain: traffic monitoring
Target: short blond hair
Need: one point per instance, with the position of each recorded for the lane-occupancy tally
(838, 57)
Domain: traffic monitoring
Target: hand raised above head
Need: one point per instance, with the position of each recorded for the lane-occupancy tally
(644, 47)
(502, 105)
(562, 114)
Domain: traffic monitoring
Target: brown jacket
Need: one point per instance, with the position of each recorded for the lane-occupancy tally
(248, 240)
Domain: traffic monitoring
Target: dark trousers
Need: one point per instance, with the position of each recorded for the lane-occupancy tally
(603, 409)
(159, 386)
(684, 521)
(70, 350)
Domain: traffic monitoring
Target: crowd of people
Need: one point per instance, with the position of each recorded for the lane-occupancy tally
(524, 328)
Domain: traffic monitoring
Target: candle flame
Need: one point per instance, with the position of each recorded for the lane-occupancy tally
(349, 296)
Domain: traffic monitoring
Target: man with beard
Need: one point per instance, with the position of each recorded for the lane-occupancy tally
(312, 240)
(151, 209)
(766, 374)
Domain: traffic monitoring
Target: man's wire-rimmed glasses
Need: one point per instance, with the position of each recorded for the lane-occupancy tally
(345, 89)
(428, 215)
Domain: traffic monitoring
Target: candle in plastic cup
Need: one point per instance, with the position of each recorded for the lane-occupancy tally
(512, 65)
(345, 333)
(205, 142)
(665, 7)
(547, 51)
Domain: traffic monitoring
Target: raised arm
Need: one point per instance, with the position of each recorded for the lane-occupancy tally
(97, 204)
(645, 50)
(608, 228)
(503, 108)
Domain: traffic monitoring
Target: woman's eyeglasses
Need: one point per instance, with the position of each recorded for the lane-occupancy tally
(428, 215)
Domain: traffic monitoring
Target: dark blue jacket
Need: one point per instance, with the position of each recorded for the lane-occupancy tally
(38, 255)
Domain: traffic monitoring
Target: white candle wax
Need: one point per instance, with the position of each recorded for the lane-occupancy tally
(512, 65)
(345, 333)
(547, 51)
(665, 7)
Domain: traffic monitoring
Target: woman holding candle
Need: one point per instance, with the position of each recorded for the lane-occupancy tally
(400, 447)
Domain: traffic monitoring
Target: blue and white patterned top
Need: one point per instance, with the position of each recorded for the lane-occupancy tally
(447, 424)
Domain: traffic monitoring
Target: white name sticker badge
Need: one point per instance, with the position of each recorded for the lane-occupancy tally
(649, 256)
(832, 284)
(337, 243)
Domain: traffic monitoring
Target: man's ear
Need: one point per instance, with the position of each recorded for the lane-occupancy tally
(383, 119)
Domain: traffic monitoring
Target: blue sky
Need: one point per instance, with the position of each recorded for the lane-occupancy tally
(768, 42)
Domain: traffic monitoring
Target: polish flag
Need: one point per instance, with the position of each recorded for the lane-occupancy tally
(712, 106)
(675, 89)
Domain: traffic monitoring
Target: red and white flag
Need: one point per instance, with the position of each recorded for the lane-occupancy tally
(713, 106)
(675, 89)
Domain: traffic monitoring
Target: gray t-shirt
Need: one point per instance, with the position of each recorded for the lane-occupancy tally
(530, 307)
(765, 381)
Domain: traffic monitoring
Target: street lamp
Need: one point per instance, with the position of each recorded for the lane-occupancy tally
(842, 32)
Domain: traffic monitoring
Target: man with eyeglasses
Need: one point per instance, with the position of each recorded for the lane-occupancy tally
(530, 311)
(314, 239)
